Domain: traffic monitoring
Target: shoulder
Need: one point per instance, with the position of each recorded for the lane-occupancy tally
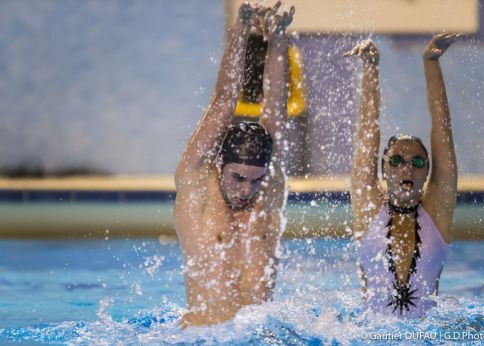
(193, 189)
(189, 176)
(442, 217)
(443, 233)
(366, 214)
(194, 202)
(371, 220)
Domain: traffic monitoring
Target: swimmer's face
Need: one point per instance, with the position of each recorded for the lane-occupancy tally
(405, 181)
(240, 183)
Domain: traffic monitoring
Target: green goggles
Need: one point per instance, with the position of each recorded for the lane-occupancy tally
(399, 160)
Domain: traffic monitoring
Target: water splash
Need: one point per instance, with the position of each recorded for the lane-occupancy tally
(293, 321)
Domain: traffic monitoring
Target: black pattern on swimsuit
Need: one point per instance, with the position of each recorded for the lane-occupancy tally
(403, 295)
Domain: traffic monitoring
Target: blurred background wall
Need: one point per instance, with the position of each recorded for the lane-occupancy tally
(118, 86)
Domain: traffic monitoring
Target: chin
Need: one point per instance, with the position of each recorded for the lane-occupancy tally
(239, 207)
(405, 198)
(234, 204)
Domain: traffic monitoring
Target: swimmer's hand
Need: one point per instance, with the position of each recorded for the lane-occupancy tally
(439, 44)
(252, 14)
(275, 23)
(366, 50)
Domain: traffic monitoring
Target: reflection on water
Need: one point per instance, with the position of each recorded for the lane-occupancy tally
(131, 292)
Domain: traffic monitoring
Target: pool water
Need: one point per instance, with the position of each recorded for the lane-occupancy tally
(130, 292)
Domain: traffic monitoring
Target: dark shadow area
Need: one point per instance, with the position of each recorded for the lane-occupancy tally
(36, 170)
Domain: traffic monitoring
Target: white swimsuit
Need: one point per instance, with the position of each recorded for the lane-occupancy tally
(374, 260)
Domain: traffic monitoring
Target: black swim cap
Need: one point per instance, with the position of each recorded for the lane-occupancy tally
(248, 143)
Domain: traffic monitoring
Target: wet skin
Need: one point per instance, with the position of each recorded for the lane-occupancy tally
(240, 183)
(405, 183)
(229, 250)
(229, 221)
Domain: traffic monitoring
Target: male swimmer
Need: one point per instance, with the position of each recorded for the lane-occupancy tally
(404, 234)
(230, 182)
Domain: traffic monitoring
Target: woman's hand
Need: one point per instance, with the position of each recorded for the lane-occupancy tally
(366, 50)
(439, 44)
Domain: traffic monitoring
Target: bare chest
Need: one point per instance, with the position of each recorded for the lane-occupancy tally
(403, 244)
(403, 234)
(227, 225)
(205, 220)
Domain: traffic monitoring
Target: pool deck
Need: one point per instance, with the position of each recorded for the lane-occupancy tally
(167, 183)
(143, 206)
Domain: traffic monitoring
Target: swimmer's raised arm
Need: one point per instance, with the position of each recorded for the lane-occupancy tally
(205, 142)
(274, 112)
(366, 198)
(439, 198)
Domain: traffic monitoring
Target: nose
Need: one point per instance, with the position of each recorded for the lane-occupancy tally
(245, 189)
(408, 166)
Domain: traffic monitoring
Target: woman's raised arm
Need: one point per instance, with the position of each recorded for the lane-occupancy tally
(439, 198)
(366, 197)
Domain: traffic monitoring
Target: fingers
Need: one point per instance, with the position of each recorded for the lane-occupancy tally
(276, 23)
(276, 7)
(287, 18)
(260, 14)
(271, 13)
(451, 38)
(439, 36)
(450, 35)
(439, 44)
(351, 52)
(364, 48)
(446, 39)
(261, 10)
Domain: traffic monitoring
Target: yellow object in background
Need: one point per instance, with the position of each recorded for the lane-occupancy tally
(296, 101)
